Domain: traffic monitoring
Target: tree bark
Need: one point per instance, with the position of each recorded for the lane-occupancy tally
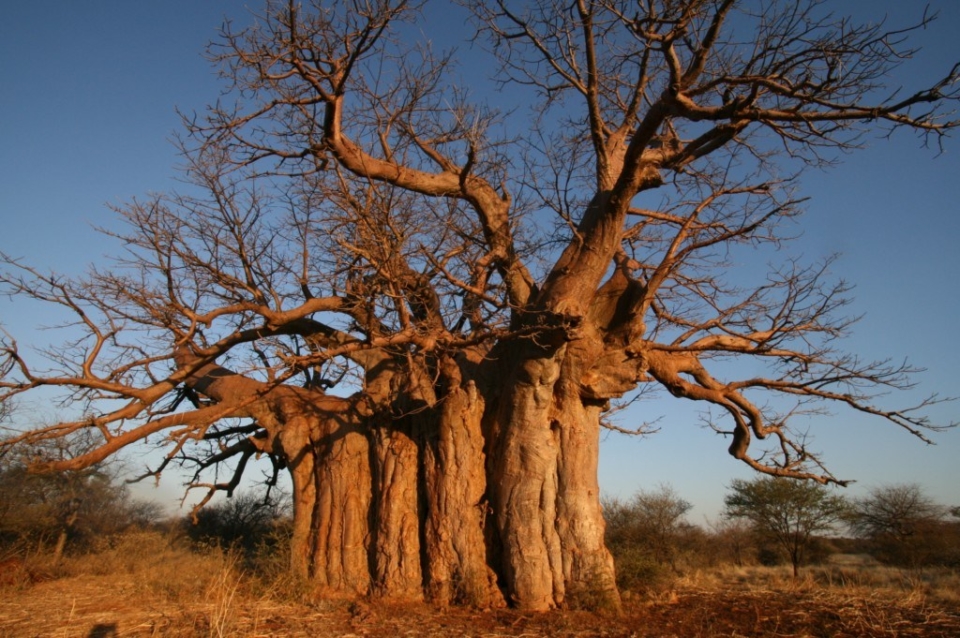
(455, 497)
(588, 567)
(401, 502)
(341, 525)
(396, 545)
(546, 493)
(524, 486)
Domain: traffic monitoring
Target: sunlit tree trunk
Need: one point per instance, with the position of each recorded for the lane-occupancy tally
(332, 496)
(302, 463)
(544, 482)
(456, 551)
(524, 487)
(587, 564)
(395, 514)
(394, 505)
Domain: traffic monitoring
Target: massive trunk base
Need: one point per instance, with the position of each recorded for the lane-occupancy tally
(406, 506)
(395, 507)
(547, 499)
(456, 505)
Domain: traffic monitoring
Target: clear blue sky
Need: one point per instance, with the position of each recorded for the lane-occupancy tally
(88, 92)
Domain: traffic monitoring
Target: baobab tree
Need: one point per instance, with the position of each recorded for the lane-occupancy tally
(422, 307)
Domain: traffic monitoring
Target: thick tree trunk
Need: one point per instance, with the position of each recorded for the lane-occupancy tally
(524, 487)
(455, 499)
(301, 460)
(394, 507)
(546, 495)
(588, 567)
(332, 504)
(356, 528)
(401, 502)
(396, 546)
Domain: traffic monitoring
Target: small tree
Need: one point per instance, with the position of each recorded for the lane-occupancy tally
(731, 539)
(902, 524)
(787, 512)
(646, 534)
(245, 521)
(55, 509)
(653, 519)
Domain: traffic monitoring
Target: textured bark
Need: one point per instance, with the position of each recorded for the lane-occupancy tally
(394, 506)
(524, 485)
(301, 462)
(455, 498)
(395, 517)
(341, 529)
(356, 521)
(330, 467)
(587, 564)
(547, 495)
(395, 503)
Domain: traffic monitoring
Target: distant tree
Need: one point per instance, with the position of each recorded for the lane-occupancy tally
(243, 521)
(731, 539)
(652, 519)
(789, 513)
(903, 525)
(50, 510)
(647, 533)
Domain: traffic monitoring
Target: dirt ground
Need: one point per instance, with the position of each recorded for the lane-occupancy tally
(116, 605)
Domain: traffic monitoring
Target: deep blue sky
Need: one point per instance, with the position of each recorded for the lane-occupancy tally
(88, 92)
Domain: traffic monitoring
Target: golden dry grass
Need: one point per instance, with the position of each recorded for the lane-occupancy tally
(151, 585)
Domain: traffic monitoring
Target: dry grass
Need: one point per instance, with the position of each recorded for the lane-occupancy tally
(146, 584)
(152, 585)
(938, 585)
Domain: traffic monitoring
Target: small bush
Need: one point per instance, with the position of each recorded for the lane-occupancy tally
(250, 522)
(638, 571)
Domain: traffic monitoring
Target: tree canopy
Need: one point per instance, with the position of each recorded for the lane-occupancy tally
(790, 513)
(903, 525)
(62, 510)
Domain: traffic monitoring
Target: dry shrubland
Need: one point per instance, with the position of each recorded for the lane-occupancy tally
(228, 575)
(159, 583)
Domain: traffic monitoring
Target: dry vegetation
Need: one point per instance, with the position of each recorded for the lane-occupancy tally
(152, 584)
